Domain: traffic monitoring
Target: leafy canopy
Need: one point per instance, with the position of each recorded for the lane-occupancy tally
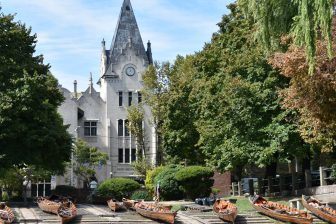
(304, 20)
(87, 159)
(31, 130)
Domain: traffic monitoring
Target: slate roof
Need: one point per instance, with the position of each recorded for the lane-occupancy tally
(126, 33)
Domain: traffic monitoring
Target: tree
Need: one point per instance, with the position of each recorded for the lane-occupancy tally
(239, 115)
(179, 130)
(135, 117)
(87, 159)
(155, 91)
(305, 20)
(31, 130)
(314, 97)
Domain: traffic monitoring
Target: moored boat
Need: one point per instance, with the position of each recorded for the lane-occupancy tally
(225, 210)
(319, 209)
(129, 204)
(49, 205)
(6, 214)
(115, 205)
(156, 212)
(280, 212)
(67, 212)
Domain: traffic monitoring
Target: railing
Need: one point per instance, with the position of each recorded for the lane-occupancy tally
(283, 185)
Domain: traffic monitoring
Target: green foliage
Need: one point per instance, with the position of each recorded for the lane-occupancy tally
(141, 166)
(65, 190)
(240, 119)
(135, 116)
(155, 92)
(304, 20)
(141, 195)
(333, 173)
(150, 178)
(87, 159)
(195, 181)
(117, 188)
(169, 186)
(179, 130)
(32, 131)
(4, 196)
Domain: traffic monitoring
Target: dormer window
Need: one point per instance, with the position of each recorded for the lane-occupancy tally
(128, 8)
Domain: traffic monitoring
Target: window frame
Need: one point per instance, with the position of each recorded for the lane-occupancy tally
(120, 95)
(130, 98)
(92, 129)
(120, 128)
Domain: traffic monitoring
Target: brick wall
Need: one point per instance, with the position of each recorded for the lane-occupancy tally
(223, 183)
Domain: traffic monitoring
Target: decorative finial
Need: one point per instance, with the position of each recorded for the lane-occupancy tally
(90, 83)
(75, 88)
(103, 43)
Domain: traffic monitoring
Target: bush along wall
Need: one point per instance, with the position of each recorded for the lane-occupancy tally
(141, 195)
(150, 179)
(169, 186)
(117, 188)
(195, 181)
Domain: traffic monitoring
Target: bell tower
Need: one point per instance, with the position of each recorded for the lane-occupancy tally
(121, 70)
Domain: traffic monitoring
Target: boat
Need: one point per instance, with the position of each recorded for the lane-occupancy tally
(280, 212)
(49, 204)
(156, 212)
(319, 209)
(129, 204)
(67, 212)
(6, 214)
(115, 205)
(225, 210)
(61, 206)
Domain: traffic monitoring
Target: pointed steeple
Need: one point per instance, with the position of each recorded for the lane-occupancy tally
(127, 34)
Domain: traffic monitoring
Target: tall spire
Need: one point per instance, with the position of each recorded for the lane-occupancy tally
(127, 34)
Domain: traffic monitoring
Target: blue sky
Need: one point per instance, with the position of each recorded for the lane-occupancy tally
(69, 32)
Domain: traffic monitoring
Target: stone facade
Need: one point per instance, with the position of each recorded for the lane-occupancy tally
(100, 118)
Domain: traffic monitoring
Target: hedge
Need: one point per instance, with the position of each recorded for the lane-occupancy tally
(150, 176)
(195, 181)
(117, 188)
(169, 186)
(141, 195)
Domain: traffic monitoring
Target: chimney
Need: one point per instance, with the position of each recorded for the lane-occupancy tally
(75, 88)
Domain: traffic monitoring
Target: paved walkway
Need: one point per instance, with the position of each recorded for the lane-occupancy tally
(90, 214)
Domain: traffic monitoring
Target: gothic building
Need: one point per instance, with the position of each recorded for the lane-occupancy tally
(100, 118)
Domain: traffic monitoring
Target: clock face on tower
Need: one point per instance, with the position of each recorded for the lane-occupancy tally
(130, 71)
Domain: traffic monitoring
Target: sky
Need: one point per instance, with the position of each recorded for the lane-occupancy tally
(69, 32)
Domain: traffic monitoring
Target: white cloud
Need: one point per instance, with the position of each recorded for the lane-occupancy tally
(69, 31)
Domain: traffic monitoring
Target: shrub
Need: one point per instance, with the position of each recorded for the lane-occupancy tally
(65, 190)
(5, 196)
(150, 176)
(117, 188)
(195, 181)
(169, 186)
(141, 195)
